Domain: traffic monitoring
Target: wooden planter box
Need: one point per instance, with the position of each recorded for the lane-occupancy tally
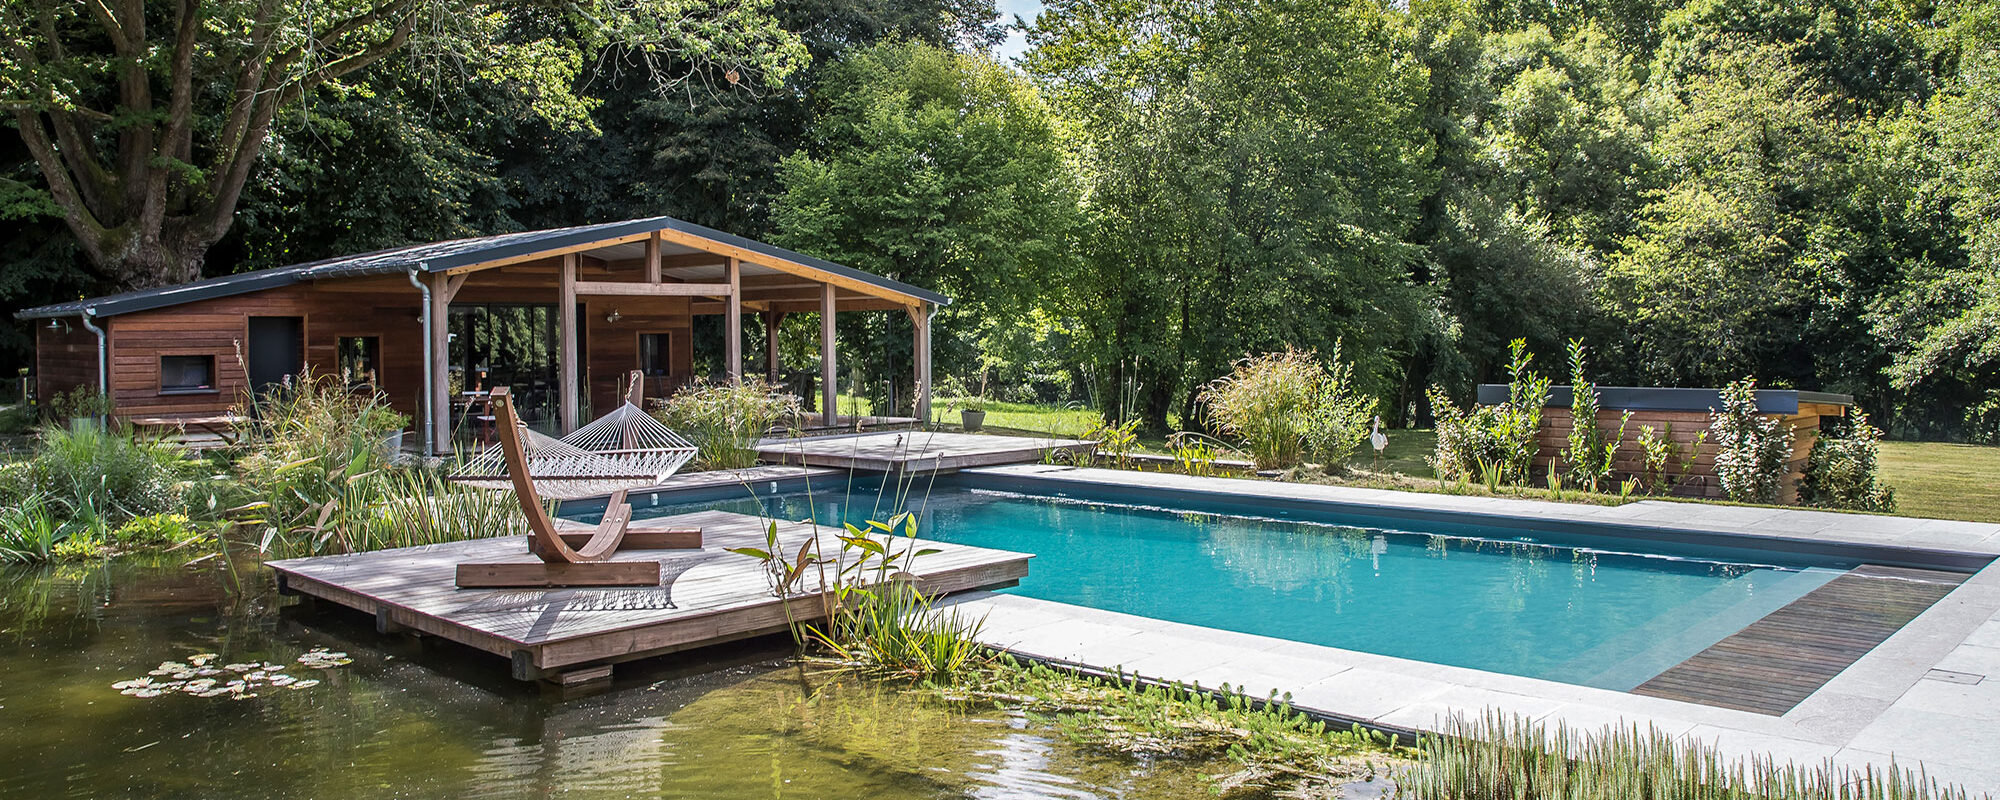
(1688, 411)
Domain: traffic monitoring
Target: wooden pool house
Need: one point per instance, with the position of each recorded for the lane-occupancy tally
(561, 316)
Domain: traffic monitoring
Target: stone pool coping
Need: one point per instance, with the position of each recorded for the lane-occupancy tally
(1882, 707)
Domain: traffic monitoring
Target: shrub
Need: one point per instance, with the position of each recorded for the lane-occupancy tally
(726, 420)
(1841, 472)
(1288, 408)
(1590, 453)
(1660, 456)
(1752, 450)
(1499, 442)
(86, 470)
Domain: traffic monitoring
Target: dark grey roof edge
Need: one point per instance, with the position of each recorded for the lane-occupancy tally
(1657, 398)
(374, 263)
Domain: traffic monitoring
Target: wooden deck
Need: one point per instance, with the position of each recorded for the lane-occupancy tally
(1779, 660)
(706, 596)
(914, 452)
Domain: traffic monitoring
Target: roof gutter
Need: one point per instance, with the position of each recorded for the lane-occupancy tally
(103, 350)
(429, 428)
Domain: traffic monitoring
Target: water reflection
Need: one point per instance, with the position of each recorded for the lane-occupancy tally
(411, 719)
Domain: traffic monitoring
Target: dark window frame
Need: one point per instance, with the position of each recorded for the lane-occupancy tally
(187, 388)
(371, 356)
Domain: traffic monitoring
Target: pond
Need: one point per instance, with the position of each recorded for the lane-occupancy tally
(428, 719)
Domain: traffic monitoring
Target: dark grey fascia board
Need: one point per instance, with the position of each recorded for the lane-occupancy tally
(1654, 398)
(149, 299)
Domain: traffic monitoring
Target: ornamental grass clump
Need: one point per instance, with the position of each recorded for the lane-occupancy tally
(1751, 449)
(1842, 472)
(1506, 757)
(726, 420)
(87, 470)
(1289, 408)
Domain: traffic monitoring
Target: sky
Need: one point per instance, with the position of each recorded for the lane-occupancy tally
(1016, 43)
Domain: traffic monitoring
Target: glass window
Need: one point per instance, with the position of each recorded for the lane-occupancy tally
(656, 354)
(185, 374)
(360, 360)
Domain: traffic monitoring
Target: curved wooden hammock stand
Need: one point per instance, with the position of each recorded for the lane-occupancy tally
(568, 559)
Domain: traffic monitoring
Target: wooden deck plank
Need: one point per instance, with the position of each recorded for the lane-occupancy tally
(1775, 663)
(705, 596)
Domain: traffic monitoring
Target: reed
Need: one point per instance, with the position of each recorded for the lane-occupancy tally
(1506, 757)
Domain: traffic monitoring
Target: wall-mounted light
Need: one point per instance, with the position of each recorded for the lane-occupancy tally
(613, 317)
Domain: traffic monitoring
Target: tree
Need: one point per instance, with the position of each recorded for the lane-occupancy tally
(145, 120)
(935, 168)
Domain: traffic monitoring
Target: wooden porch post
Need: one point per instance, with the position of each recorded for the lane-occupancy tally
(653, 258)
(732, 323)
(829, 393)
(921, 315)
(437, 319)
(772, 319)
(566, 355)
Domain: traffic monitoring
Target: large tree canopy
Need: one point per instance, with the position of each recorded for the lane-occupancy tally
(146, 119)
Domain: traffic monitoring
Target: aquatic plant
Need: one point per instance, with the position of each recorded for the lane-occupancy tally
(202, 675)
(1289, 408)
(87, 469)
(726, 420)
(1506, 757)
(1752, 450)
(29, 532)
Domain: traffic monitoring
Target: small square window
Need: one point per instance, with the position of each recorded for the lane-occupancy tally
(360, 361)
(656, 354)
(187, 374)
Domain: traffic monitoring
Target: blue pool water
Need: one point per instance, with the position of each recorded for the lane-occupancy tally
(1559, 606)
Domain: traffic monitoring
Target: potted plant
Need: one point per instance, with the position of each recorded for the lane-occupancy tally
(973, 413)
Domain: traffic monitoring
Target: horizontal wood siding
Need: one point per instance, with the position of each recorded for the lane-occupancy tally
(65, 358)
(388, 308)
(1628, 460)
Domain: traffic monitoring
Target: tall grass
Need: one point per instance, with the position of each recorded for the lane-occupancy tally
(1505, 757)
(29, 532)
(88, 470)
(893, 625)
(726, 420)
(1287, 408)
(314, 455)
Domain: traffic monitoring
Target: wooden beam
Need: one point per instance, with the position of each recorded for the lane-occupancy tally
(772, 319)
(621, 289)
(801, 307)
(566, 377)
(732, 322)
(829, 393)
(438, 405)
(653, 258)
(921, 316)
(559, 251)
(785, 265)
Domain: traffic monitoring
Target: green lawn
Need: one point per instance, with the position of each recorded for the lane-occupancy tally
(1942, 480)
(1932, 479)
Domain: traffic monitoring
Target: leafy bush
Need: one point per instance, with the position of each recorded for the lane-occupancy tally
(1503, 757)
(87, 470)
(1590, 453)
(726, 420)
(78, 546)
(1752, 449)
(1497, 443)
(1288, 408)
(1661, 457)
(1841, 472)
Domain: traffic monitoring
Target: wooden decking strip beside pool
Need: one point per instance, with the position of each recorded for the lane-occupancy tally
(915, 452)
(706, 596)
(1776, 662)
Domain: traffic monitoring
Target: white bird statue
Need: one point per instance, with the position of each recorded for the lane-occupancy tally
(1377, 438)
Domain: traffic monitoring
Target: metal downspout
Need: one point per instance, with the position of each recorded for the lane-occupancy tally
(103, 362)
(429, 437)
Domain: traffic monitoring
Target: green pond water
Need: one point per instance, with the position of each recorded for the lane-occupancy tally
(425, 719)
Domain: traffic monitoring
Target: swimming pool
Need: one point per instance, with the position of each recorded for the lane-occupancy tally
(1554, 604)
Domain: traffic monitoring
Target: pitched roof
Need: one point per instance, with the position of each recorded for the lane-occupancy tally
(442, 256)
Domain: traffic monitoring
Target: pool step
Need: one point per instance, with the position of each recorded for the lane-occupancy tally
(1776, 662)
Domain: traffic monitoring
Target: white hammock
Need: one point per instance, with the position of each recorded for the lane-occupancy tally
(625, 449)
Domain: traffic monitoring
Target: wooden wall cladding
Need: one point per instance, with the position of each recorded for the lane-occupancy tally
(388, 308)
(65, 358)
(1687, 425)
